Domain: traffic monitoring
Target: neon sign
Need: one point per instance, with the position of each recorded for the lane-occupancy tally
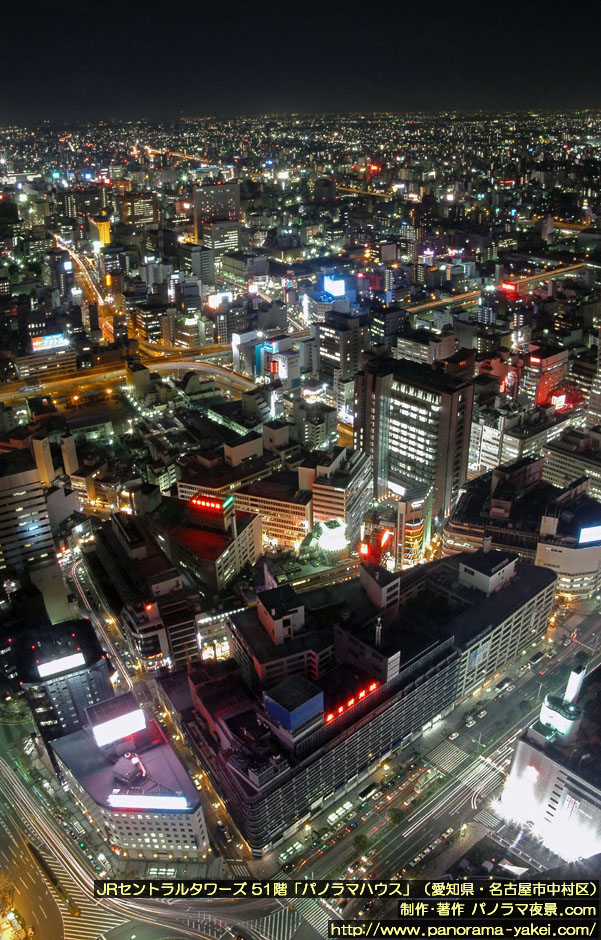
(508, 287)
(146, 801)
(386, 536)
(206, 503)
(115, 729)
(61, 665)
(362, 694)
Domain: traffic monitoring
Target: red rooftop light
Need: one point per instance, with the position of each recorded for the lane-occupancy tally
(352, 701)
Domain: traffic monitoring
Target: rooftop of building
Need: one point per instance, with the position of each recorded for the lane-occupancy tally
(133, 573)
(280, 601)
(582, 756)
(527, 506)
(420, 336)
(44, 644)
(489, 562)
(95, 767)
(223, 475)
(442, 609)
(192, 529)
(416, 373)
(294, 692)
(265, 650)
(281, 486)
(16, 461)
(320, 458)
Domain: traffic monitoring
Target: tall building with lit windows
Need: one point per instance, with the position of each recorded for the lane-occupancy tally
(415, 422)
(25, 535)
(62, 671)
(216, 202)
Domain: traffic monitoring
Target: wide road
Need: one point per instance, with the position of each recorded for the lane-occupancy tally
(85, 379)
(32, 896)
(473, 296)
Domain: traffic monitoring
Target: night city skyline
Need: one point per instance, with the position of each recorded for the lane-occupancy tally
(300, 468)
(155, 63)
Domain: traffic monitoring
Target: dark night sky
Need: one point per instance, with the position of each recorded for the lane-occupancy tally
(80, 59)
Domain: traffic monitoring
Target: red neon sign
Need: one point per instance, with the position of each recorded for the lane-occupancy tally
(386, 536)
(534, 359)
(364, 548)
(351, 702)
(509, 287)
(207, 503)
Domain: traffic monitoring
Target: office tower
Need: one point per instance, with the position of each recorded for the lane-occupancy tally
(157, 612)
(112, 260)
(385, 325)
(547, 369)
(415, 423)
(100, 230)
(593, 416)
(425, 346)
(216, 202)
(67, 206)
(324, 191)
(93, 321)
(62, 670)
(57, 271)
(198, 261)
(573, 455)
(120, 330)
(316, 424)
(69, 454)
(139, 208)
(25, 536)
(208, 537)
(219, 237)
(341, 340)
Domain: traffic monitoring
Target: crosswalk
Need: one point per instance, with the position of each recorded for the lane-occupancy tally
(447, 756)
(487, 819)
(314, 912)
(208, 926)
(240, 870)
(92, 920)
(281, 925)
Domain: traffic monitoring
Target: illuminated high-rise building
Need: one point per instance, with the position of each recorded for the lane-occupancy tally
(415, 422)
(25, 535)
(216, 202)
(341, 340)
(62, 671)
(139, 208)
